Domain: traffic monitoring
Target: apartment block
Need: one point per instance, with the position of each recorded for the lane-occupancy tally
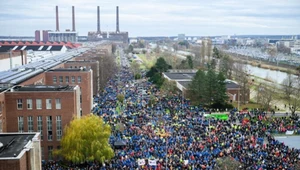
(87, 64)
(43, 109)
(74, 76)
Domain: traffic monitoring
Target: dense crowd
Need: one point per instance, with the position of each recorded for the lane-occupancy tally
(172, 134)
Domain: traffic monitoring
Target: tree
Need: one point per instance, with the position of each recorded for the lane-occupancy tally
(209, 48)
(135, 67)
(226, 66)
(161, 65)
(157, 79)
(130, 49)
(190, 61)
(272, 51)
(202, 52)
(291, 90)
(86, 139)
(208, 88)
(120, 98)
(107, 68)
(168, 88)
(175, 47)
(113, 48)
(157, 48)
(216, 53)
(228, 163)
(265, 96)
(241, 76)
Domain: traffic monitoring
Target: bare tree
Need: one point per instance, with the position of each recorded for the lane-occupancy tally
(209, 49)
(168, 88)
(135, 67)
(291, 90)
(226, 66)
(107, 68)
(241, 75)
(202, 53)
(266, 95)
(272, 51)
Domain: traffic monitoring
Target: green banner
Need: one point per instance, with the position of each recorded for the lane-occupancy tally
(220, 116)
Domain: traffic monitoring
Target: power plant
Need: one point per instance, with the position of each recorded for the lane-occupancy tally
(72, 36)
(116, 36)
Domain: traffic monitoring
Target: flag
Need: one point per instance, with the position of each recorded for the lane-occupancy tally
(141, 162)
(152, 162)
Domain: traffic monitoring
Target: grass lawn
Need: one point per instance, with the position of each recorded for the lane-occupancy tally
(247, 105)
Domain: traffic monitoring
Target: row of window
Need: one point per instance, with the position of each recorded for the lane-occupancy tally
(67, 79)
(50, 152)
(38, 104)
(40, 126)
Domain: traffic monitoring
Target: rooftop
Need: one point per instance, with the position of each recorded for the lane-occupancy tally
(42, 88)
(13, 144)
(82, 61)
(229, 84)
(176, 76)
(69, 70)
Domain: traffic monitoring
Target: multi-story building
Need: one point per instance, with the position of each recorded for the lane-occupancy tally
(87, 64)
(43, 109)
(20, 151)
(74, 76)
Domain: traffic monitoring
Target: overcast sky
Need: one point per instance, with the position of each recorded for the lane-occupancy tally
(154, 17)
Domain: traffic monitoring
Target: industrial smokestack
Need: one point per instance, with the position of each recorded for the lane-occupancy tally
(98, 19)
(118, 29)
(57, 22)
(73, 18)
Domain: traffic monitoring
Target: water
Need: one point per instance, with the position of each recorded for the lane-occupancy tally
(273, 75)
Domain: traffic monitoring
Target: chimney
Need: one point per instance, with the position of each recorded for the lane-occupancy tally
(73, 18)
(57, 22)
(98, 19)
(118, 30)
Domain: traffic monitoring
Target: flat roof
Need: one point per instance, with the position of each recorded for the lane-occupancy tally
(69, 70)
(174, 76)
(229, 84)
(43, 88)
(13, 144)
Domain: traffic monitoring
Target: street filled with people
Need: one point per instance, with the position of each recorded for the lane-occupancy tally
(172, 134)
(154, 131)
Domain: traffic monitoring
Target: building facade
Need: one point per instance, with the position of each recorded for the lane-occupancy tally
(87, 64)
(74, 76)
(43, 109)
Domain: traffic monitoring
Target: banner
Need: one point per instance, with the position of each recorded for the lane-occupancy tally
(141, 162)
(186, 162)
(220, 116)
(289, 132)
(152, 162)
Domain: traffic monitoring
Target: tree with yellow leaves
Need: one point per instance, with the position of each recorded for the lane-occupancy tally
(86, 139)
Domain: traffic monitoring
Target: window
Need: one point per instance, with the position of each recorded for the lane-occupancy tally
(30, 123)
(39, 104)
(49, 128)
(50, 150)
(0, 107)
(75, 66)
(29, 104)
(70, 66)
(19, 104)
(58, 128)
(20, 124)
(67, 79)
(61, 79)
(79, 79)
(40, 125)
(42, 149)
(73, 79)
(48, 104)
(57, 103)
(54, 79)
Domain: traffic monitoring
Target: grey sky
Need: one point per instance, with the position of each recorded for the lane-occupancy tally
(155, 17)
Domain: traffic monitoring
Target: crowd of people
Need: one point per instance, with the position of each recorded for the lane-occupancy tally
(171, 134)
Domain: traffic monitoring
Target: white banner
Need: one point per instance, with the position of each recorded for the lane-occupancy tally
(186, 162)
(141, 162)
(152, 162)
(289, 132)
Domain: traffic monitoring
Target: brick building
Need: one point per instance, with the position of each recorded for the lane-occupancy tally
(87, 64)
(74, 76)
(20, 151)
(44, 109)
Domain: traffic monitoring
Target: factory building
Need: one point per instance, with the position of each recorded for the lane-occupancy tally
(117, 36)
